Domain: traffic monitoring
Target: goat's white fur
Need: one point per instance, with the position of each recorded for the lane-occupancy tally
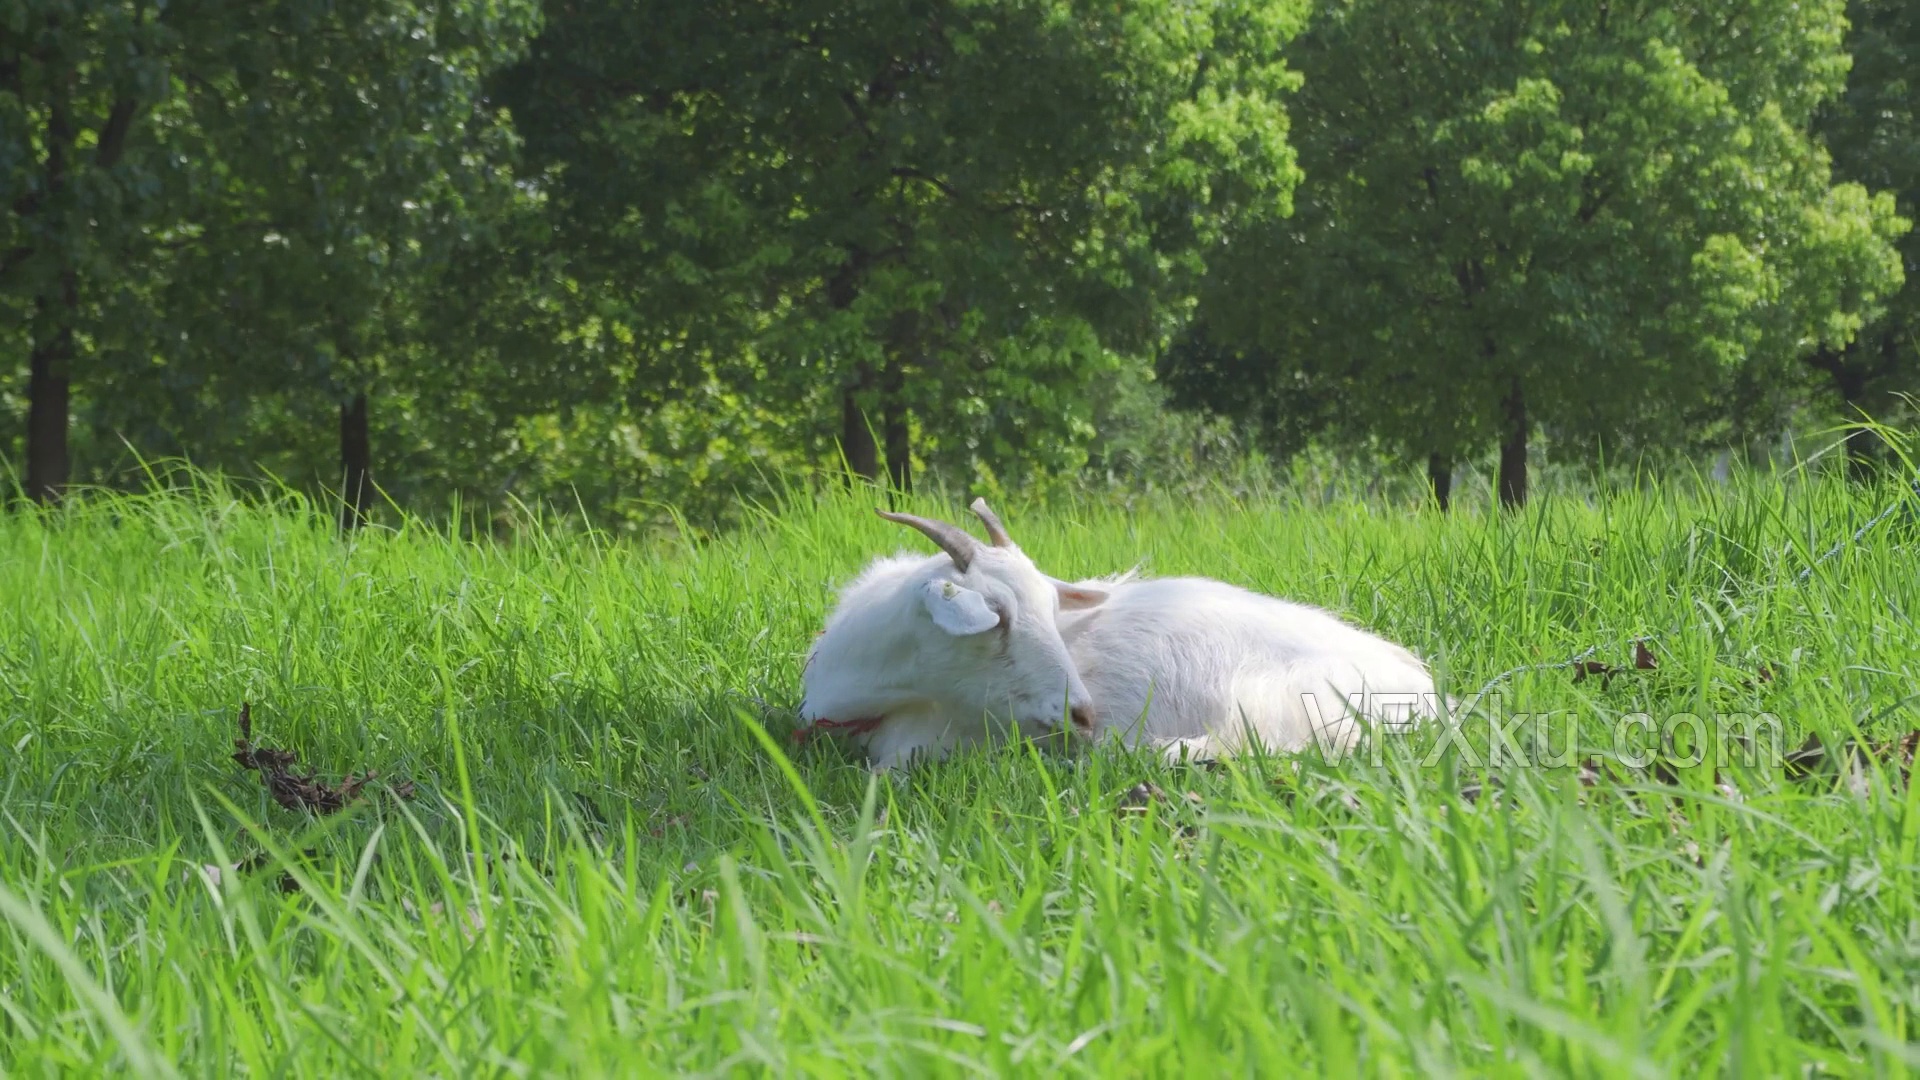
(942, 658)
(1204, 667)
(925, 658)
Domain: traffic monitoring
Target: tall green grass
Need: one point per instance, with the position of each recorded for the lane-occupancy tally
(617, 863)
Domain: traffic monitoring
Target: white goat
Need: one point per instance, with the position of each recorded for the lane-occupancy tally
(926, 654)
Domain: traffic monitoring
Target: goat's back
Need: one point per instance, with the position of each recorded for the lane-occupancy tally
(1200, 660)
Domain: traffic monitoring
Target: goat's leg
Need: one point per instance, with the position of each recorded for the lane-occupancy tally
(1194, 750)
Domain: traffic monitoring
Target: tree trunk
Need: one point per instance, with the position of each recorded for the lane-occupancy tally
(1862, 460)
(857, 449)
(1862, 444)
(1850, 383)
(50, 364)
(49, 392)
(893, 428)
(1513, 448)
(356, 463)
(856, 437)
(1440, 479)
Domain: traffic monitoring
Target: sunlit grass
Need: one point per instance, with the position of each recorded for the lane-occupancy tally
(607, 870)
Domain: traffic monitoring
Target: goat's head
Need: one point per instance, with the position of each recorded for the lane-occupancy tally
(969, 634)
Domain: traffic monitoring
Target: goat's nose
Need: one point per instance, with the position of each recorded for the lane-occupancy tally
(1082, 717)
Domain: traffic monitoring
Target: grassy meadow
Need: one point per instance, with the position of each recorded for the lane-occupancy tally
(606, 869)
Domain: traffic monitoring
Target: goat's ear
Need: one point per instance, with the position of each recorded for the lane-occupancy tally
(1078, 597)
(956, 609)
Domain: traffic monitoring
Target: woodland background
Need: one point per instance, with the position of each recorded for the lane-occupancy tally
(611, 258)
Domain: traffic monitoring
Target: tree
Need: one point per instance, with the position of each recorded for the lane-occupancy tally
(1873, 132)
(226, 192)
(75, 84)
(1584, 216)
(928, 222)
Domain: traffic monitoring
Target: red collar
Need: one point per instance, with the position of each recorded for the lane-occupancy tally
(843, 727)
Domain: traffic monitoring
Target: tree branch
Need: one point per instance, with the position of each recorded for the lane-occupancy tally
(859, 114)
(1591, 204)
(907, 172)
(1826, 359)
(113, 133)
(14, 258)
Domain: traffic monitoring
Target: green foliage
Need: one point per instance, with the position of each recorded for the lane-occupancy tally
(635, 259)
(1873, 132)
(958, 212)
(243, 195)
(1600, 217)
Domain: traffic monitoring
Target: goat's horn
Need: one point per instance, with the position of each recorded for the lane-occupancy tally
(952, 539)
(996, 532)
